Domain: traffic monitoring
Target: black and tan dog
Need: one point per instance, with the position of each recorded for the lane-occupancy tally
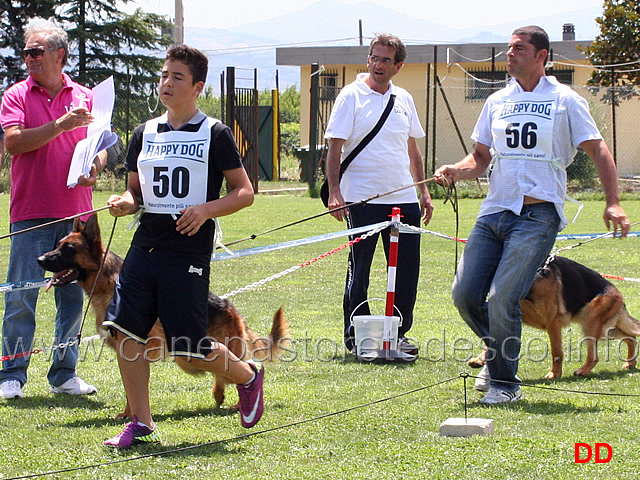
(78, 257)
(565, 292)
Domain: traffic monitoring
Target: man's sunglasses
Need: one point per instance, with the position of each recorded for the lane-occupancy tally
(35, 52)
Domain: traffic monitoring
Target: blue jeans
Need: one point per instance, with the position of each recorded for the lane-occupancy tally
(496, 271)
(19, 323)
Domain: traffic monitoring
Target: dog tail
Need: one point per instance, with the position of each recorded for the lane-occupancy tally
(269, 348)
(627, 324)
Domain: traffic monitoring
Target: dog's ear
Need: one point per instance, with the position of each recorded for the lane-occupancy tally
(91, 227)
(77, 225)
(91, 233)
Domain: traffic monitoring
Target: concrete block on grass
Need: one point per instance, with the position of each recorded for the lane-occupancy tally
(465, 427)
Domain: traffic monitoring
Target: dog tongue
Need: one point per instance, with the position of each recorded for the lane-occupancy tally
(54, 279)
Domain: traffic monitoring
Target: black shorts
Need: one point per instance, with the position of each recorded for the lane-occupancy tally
(166, 285)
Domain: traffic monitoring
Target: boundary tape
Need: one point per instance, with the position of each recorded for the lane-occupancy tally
(296, 243)
(25, 285)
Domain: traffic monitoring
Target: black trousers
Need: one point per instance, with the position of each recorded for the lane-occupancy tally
(361, 256)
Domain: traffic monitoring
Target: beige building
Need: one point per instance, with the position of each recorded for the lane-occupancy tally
(450, 83)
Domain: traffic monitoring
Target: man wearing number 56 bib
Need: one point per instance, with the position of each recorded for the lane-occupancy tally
(177, 164)
(528, 133)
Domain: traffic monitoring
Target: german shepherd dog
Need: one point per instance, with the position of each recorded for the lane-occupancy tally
(78, 257)
(565, 292)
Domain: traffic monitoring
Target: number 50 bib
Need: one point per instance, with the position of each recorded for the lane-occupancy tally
(174, 167)
(523, 127)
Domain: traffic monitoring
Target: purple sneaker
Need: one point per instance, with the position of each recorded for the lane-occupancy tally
(133, 433)
(251, 398)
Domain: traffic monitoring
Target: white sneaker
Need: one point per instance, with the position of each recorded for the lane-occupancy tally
(11, 389)
(483, 380)
(75, 386)
(495, 396)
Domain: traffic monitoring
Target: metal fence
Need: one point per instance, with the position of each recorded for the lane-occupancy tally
(449, 107)
(457, 103)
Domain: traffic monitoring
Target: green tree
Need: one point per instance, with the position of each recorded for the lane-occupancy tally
(617, 45)
(103, 41)
(14, 16)
(289, 137)
(210, 104)
(109, 42)
(290, 105)
(265, 97)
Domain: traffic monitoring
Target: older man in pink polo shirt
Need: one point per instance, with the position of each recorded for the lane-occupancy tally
(43, 117)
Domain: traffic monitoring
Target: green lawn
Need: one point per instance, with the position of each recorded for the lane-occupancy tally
(395, 438)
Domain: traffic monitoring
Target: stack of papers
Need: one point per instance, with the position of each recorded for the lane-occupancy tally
(99, 134)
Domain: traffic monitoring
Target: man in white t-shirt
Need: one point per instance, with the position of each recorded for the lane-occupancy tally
(529, 131)
(391, 160)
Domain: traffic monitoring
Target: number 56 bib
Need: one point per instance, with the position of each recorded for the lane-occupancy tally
(174, 167)
(523, 127)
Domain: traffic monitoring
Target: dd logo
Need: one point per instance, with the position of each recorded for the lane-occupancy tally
(585, 448)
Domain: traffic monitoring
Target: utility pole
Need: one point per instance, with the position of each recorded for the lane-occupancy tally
(178, 30)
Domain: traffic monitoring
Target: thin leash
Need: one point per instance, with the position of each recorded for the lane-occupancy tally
(53, 222)
(553, 254)
(95, 283)
(327, 212)
(451, 196)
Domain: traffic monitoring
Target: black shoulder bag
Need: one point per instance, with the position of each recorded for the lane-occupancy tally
(324, 189)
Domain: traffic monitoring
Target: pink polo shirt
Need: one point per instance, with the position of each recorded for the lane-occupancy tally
(39, 178)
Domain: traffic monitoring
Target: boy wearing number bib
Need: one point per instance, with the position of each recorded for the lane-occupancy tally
(528, 133)
(177, 163)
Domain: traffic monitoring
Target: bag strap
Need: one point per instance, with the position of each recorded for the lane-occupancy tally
(374, 131)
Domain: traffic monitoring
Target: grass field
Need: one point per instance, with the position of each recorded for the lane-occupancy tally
(319, 420)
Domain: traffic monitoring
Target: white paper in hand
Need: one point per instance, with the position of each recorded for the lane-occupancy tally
(99, 134)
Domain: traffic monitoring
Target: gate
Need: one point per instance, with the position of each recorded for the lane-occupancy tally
(240, 111)
(265, 143)
(324, 90)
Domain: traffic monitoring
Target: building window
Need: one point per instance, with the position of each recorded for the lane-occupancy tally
(329, 85)
(564, 75)
(482, 83)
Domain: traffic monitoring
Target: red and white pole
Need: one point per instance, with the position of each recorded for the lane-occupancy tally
(394, 236)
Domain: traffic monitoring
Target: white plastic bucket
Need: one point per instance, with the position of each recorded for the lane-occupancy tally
(370, 332)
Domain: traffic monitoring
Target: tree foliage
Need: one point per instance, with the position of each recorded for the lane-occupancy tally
(14, 16)
(289, 137)
(111, 42)
(103, 41)
(289, 103)
(210, 104)
(617, 47)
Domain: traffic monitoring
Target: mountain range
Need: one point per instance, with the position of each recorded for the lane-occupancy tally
(332, 22)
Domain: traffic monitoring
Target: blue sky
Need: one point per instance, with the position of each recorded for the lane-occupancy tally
(461, 13)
